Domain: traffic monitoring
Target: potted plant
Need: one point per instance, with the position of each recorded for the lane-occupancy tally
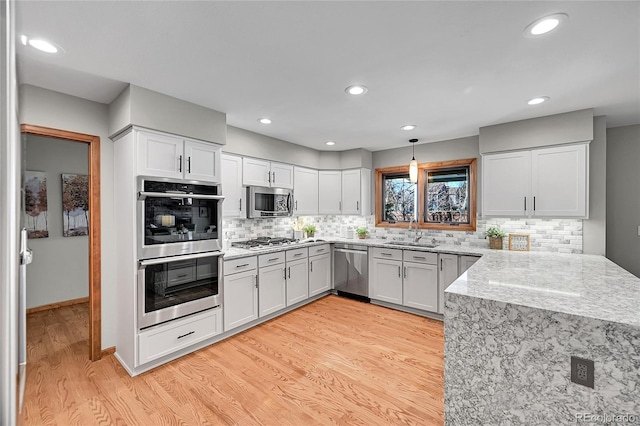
(495, 235)
(310, 230)
(362, 233)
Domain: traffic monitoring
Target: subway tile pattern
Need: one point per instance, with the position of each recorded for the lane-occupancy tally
(546, 235)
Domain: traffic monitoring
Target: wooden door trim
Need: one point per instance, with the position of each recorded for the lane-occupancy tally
(95, 295)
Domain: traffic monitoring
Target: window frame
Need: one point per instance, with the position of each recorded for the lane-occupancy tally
(423, 168)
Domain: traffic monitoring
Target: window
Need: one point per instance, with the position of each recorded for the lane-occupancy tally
(443, 198)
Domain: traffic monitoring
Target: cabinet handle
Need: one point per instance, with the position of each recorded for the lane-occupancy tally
(525, 204)
(273, 259)
(357, 205)
(311, 266)
(274, 177)
(405, 272)
(289, 271)
(269, 176)
(534, 203)
(387, 254)
(181, 275)
(180, 163)
(255, 281)
(441, 264)
(187, 334)
(297, 254)
(242, 266)
(296, 204)
(399, 272)
(420, 257)
(189, 164)
(320, 250)
(240, 204)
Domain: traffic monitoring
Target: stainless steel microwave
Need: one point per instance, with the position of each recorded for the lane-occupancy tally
(269, 202)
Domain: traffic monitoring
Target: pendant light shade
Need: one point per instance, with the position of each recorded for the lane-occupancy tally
(413, 164)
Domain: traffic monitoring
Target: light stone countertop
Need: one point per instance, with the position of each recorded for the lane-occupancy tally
(589, 286)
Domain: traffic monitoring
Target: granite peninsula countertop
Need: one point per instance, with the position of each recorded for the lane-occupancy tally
(589, 286)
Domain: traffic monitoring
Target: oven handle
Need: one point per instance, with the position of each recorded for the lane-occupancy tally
(144, 263)
(144, 194)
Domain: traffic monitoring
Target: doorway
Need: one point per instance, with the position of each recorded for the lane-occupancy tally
(95, 320)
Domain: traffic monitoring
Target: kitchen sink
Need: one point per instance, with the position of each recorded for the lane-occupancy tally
(409, 243)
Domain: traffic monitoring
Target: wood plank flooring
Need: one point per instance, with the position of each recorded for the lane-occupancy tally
(334, 361)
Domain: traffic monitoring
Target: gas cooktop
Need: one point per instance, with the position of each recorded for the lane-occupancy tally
(264, 242)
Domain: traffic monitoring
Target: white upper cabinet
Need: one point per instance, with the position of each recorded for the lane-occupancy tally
(356, 188)
(559, 181)
(344, 192)
(266, 173)
(505, 184)
(305, 191)
(329, 191)
(163, 155)
(546, 182)
(233, 205)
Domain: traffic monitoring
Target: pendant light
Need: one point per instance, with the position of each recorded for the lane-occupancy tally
(413, 164)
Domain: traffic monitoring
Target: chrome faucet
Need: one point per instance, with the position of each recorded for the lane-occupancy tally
(418, 234)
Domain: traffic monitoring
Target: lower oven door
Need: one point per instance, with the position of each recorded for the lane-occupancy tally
(173, 287)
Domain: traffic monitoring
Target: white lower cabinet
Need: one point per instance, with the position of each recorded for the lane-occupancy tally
(240, 293)
(387, 276)
(297, 276)
(420, 280)
(178, 334)
(448, 273)
(466, 262)
(319, 269)
(272, 289)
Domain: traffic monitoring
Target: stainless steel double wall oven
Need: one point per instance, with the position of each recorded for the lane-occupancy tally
(179, 242)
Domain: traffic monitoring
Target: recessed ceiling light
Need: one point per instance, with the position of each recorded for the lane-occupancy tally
(544, 25)
(264, 120)
(330, 143)
(408, 127)
(356, 90)
(43, 45)
(538, 100)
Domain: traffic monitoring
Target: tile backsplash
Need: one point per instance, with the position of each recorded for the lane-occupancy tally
(550, 235)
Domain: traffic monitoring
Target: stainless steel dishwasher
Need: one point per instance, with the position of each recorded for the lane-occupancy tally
(351, 271)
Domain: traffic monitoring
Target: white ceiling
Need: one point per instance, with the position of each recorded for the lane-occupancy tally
(449, 67)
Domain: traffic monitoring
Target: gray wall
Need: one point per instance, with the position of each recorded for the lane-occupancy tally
(576, 126)
(623, 197)
(60, 268)
(153, 110)
(594, 229)
(52, 109)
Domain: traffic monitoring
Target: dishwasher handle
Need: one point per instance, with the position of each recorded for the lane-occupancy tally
(361, 252)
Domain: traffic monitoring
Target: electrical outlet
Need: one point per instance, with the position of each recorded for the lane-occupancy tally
(582, 371)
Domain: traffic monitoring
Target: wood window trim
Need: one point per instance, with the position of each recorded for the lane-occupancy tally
(95, 294)
(422, 172)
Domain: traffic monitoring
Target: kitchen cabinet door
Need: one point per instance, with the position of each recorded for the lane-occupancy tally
(387, 281)
(448, 273)
(160, 155)
(506, 184)
(281, 175)
(240, 298)
(297, 281)
(202, 161)
(559, 181)
(271, 289)
(466, 262)
(232, 186)
(319, 274)
(256, 172)
(305, 191)
(329, 191)
(420, 286)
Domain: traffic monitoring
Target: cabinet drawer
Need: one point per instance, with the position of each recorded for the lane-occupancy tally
(420, 257)
(385, 253)
(240, 265)
(175, 335)
(271, 259)
(321, 249)
(296, 254)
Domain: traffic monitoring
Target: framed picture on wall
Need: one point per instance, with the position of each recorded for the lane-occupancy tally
(35, 204)
(75, 205)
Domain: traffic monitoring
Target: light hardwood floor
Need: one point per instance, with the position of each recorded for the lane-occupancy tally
(334, 361)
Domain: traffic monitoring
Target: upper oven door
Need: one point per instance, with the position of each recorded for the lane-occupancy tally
(177, 218)
(269, 202)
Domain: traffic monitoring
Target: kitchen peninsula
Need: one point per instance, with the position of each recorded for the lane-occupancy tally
(514, 320)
